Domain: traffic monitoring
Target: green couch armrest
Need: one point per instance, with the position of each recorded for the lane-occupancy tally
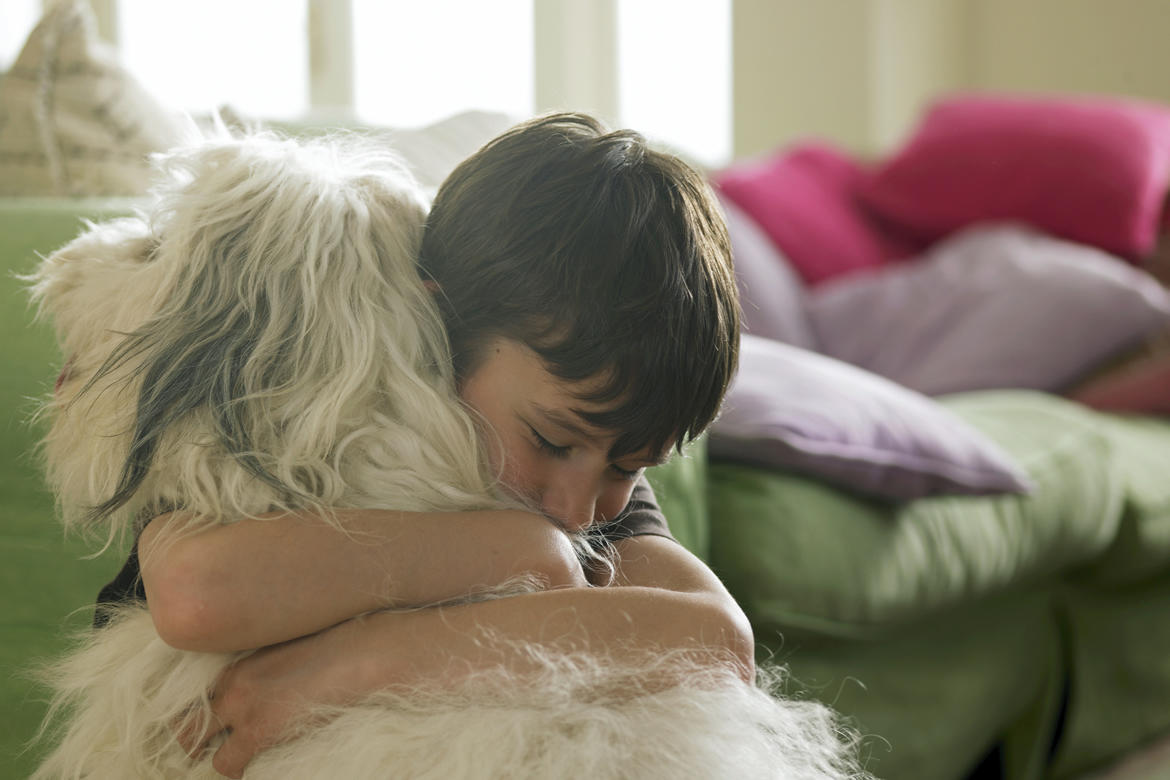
(681, 489)
(48, 581)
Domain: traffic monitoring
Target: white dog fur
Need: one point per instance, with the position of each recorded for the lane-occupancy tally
(261, 339)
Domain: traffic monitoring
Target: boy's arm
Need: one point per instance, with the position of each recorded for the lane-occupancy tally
(689, 608)
(655, 563)
(255, 583)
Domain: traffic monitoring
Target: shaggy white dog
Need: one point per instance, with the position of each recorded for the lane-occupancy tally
(262, 340)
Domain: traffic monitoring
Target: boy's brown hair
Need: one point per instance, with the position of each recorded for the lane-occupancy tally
(607, 258)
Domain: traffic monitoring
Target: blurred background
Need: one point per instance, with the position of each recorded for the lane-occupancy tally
(716, 79)
(987, 615)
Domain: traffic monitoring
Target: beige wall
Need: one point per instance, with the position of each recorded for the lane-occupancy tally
(861, 71)
(921, 49)
(799, 68)
(1110, 46)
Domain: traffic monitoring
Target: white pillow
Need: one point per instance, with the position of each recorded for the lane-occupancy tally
(433, 151)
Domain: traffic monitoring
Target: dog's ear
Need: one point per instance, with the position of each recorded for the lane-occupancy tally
(95, 289)
(90, 287)
(294, 291)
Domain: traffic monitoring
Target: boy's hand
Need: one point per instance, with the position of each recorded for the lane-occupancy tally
(259, 700)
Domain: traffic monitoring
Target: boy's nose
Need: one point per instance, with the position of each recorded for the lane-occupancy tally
(570, 505)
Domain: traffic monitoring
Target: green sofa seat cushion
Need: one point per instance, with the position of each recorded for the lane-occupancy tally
(806, 557)
(1141, 550)
(1118, 641)
(934, 697)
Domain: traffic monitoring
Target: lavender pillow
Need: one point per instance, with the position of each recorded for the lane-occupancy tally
(771, 293)
(793, 409)
(991, 307)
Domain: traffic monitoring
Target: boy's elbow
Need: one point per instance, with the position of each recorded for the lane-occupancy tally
(184, 627)
(741, 643)
(183, 616)
(730, 635)
(562, 569)
(550, 556)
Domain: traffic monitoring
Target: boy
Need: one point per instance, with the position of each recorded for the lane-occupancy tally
(586, 284)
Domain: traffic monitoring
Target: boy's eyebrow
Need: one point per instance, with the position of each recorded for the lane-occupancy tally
(659, 461)
(569, 422)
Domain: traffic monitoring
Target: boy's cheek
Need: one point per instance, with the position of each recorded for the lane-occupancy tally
(519, 476)
(612, 502)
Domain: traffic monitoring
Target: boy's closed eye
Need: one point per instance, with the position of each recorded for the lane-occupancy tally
(626, 474)
(546, 446)
(562, 451)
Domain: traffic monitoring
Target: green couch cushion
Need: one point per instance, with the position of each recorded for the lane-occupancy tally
(805, 557)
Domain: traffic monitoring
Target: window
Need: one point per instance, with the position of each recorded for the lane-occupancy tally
(249, 54)
(416, 62)
(17, 18)
(660, 66)
(674, 66)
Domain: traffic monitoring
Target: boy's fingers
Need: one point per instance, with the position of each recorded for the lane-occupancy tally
(195, 730)
(234, 755)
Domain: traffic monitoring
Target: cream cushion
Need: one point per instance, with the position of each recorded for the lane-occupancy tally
(73, 121)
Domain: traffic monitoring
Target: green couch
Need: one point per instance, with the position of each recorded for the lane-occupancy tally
(941, 627)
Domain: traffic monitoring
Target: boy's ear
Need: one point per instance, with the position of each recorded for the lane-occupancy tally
(431, 285)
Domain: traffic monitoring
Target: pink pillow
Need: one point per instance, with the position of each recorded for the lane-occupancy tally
(1142, 388)
(804, 199)
(1092, 170)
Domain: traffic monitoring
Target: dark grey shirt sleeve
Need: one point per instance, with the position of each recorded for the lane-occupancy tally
(640, 517)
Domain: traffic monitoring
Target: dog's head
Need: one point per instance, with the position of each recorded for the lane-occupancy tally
(260, 339)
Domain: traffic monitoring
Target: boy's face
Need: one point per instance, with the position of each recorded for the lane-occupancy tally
(546, 454)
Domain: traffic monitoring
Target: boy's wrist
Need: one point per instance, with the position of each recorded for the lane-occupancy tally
(389, 650)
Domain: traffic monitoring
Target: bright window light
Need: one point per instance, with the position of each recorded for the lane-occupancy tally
(252, 56)
(674, 66)
(416, 62)
(17, 18)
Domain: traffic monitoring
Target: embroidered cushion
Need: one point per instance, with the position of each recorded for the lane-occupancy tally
(72, 120)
